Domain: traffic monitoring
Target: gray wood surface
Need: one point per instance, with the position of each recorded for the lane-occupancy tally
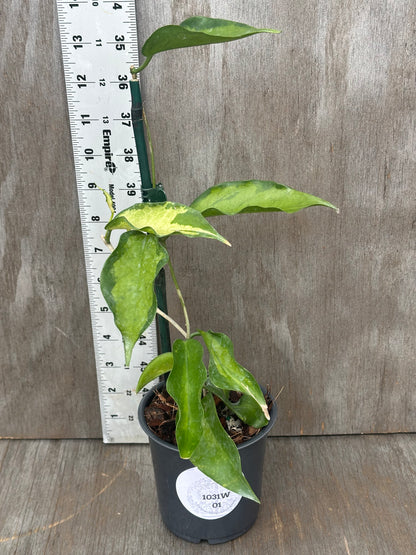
(318, 303)
(321, 496)
(321, 304)
(48, 385)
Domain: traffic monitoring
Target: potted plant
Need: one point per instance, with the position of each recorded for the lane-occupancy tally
(205, 491)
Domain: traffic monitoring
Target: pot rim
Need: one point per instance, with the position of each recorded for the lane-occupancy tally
(147, 397)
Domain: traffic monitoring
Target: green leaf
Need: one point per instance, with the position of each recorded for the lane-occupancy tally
(127, 284)
(163, 219)
(226, 373)
(246, 408)
(239, 197)
(197, 31)
(217, 456)
(161, 364)
(185, 384)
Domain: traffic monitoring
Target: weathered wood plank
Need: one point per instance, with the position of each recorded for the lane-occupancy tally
(321, 496)
(320, 304)
(48, 384)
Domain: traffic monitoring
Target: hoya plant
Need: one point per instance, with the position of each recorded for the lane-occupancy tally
(128, 277)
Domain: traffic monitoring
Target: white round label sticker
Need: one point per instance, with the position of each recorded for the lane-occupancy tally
(203, 497)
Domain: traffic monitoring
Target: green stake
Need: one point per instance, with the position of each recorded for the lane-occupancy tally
(150, 193)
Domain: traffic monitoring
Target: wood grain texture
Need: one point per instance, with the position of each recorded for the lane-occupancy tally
(320, 304)
(48, 385)
(321, 496)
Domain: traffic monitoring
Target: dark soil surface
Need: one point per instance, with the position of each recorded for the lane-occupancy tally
(160, 416)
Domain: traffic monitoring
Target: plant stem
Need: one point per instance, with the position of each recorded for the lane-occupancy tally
(106, 240)
(181, 299)
(135, 70)
(149, 140)
(172, 321)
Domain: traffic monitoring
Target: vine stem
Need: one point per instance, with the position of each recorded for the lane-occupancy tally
(149, 142)
(181, 299)
(172, 321)
(106, 242)
(135, 70)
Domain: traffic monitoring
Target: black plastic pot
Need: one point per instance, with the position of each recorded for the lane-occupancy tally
(194, 507)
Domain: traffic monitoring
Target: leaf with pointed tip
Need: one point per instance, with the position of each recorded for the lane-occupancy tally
(217, 456)
(127, 284)
(163, 219)
(162, 364)
(197, 31)
(185, 384)
(240, 197)
(246, 408)
(226, 373)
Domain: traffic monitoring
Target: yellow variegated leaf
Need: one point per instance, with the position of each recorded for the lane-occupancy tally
(163, 219)
(127, 284)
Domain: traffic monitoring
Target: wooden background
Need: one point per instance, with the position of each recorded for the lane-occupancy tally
(318, 303)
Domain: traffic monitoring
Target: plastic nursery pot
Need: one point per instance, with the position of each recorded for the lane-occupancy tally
(192, 505)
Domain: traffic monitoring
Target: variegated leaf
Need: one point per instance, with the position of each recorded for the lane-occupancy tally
(184, 384)
(246, 408)
(239, 197)
(127, 284)
(163, 219)
(226, 373)
(217, 456)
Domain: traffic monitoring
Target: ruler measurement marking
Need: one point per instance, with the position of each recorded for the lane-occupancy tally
(98, 46)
